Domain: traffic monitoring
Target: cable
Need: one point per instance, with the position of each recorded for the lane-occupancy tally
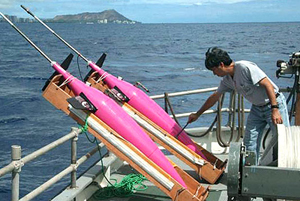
(167, 99)
(176, 136)
(289, 148)
(84, 129)
(218, 134)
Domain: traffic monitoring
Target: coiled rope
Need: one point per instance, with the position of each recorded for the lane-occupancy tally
(290, 147)
(128, 185)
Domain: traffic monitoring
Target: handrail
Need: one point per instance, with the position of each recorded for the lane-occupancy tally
(191, 92)
(231, 110)
(60, 175)
(17, 163)
(186, 114)
(181, 93)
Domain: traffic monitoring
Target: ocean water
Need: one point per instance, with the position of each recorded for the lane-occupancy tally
(164, 57)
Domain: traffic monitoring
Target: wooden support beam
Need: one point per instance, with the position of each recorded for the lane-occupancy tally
(195, 191)
(210, 171)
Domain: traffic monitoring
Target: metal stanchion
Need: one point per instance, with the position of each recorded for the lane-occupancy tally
(73, 161)
(15, 180)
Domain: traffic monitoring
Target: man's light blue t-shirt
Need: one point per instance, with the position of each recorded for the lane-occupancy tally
(245, 81)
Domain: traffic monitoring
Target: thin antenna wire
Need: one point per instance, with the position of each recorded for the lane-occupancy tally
(24, 36)
(60, 38)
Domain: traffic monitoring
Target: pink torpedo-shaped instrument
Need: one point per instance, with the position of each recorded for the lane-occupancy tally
(113, 115)
(136, 98)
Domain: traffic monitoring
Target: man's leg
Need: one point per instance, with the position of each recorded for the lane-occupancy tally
(254, 130)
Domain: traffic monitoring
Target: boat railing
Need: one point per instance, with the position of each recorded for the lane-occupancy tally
(235, 110)
(17, 163)
(235, 106)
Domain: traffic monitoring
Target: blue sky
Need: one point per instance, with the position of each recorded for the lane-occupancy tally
(166, 11)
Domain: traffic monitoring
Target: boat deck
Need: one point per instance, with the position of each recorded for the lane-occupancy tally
(117, 169)
(218, 191)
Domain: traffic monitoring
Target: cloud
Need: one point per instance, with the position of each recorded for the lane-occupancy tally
(181, 2)
(164, 11)
(6, 3)
(226, 1)
(11, 3)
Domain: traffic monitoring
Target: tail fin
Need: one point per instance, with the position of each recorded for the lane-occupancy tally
(98, 63)
(101, 60)
(65, 65)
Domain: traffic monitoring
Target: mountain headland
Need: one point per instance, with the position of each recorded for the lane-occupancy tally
(104, 17)
(107, 16)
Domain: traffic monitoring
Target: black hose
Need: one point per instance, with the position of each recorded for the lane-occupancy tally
(167, 99)
(211, 126)
(168, 103)
(207, 131)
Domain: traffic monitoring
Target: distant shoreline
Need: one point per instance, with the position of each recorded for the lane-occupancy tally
(46, 20)
(105, 17)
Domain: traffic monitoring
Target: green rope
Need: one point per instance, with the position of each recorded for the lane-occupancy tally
(84, 130)
(85, 127)
(129, 184)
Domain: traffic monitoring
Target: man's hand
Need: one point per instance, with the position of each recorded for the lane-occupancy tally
(212, 99)
(193, 117)
(276, 117)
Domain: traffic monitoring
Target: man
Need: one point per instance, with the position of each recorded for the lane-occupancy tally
(268, 105)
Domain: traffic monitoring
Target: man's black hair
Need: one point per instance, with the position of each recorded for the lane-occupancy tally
(214, 56)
